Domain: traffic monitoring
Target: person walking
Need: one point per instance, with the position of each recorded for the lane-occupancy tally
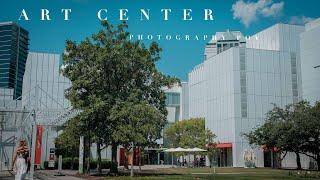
(19, 163)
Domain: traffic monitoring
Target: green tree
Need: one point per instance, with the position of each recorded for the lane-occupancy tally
(139, 124)
(192, 133)
(309, 126)
(285, 129)
(67, 143)
(189, 133)
(106, 69)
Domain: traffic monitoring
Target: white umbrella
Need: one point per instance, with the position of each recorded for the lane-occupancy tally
(197, 150)
(194, 150)
(172, 150)
(179, 149)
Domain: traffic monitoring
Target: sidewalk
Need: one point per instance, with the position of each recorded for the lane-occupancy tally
(5, 175)
(53, 174)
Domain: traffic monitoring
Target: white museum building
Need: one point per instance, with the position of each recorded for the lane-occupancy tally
(239, 81)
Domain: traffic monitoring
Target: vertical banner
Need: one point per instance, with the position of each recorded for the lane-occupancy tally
(38, 145)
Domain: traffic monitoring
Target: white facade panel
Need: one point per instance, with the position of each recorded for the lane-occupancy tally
(310, 53)
(238, 86)
(43, 70)
(197, 92)
(233, 108)
(220, 94)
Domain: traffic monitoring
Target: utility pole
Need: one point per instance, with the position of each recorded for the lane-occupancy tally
(34, 133)
(1, 143)
(33, 149)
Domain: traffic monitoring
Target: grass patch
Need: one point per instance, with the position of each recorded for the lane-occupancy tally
(221, 174)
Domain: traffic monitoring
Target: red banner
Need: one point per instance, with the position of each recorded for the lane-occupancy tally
(38, 145)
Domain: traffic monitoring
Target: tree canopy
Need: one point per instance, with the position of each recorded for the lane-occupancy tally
(189, 133)
(294, 128)
(107, 70)
(67, 143)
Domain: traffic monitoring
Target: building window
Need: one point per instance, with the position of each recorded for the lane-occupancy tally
(243, 84)
(172, 99)
(294, 77)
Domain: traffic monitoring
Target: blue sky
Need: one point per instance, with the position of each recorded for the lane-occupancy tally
(178, 57)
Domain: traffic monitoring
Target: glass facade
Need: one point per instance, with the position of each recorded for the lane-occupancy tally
(243, 82)
(223, 41)
(172, 99)
(173, 105)
(294, 77)
(13, 55)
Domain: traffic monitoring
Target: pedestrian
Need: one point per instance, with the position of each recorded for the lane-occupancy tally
(19, 163)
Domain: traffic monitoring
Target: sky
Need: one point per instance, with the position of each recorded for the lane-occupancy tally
(178, 57)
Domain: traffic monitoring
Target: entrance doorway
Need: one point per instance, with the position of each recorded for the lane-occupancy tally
(271, 159)
(225, 157)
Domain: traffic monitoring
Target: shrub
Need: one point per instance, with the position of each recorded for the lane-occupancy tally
(67, 162)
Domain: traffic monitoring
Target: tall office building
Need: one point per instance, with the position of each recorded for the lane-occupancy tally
(14, 43)
(310, 66)
(235, 88)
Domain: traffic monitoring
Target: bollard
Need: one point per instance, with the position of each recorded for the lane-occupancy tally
(60, 166)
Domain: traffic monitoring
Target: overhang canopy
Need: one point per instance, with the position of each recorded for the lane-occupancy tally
(224, 145)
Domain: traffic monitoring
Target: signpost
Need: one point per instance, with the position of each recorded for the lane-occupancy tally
(51, 158)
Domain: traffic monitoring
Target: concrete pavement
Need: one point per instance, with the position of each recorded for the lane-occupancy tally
(42, 175)
(5, 175)
(54, 174)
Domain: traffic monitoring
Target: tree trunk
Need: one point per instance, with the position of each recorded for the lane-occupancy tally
(88, 155)
(99, 158)
(114, 164)
(298, 161)
(131, 173)
(140, 155)
(126, 163)
(72, 162)
(318, 162)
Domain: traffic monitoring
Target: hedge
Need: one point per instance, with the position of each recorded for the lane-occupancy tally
(66, 164)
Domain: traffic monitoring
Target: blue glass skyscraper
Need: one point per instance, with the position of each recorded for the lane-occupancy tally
(14, 43)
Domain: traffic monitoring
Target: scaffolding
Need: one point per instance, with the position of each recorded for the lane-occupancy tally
(19, 120)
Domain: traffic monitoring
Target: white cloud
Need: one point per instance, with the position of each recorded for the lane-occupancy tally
(248, 12)
(300, 20)
(273, 11)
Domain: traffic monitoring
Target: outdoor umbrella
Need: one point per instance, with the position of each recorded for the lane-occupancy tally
(172, 150)
(197, 150)
(189, 150)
